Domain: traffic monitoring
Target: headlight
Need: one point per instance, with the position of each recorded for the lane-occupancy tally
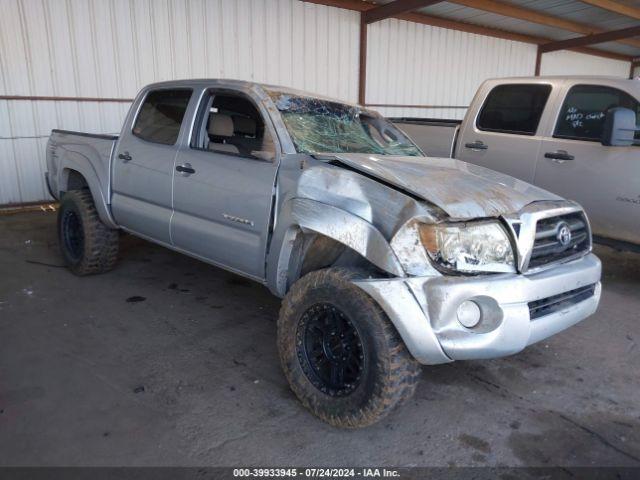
(469, 247)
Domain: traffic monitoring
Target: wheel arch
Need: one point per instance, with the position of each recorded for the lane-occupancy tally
(77, 176)
(321, 235)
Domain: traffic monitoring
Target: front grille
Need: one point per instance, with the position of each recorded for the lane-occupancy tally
(549, 305)
(548, 246)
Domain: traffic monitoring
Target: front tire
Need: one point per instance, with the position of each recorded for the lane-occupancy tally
(340, 353)
(87, 245)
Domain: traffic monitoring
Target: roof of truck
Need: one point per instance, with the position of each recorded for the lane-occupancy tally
(242, 85)
(631, 86)
(565, 77)
(603, 79)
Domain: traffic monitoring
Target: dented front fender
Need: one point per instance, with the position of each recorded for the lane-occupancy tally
(349, 230)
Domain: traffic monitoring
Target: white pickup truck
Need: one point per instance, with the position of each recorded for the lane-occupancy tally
(556, 133)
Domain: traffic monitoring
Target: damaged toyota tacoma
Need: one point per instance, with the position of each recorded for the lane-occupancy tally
(385, 259)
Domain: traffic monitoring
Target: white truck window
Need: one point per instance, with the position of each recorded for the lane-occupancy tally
(514, 109)
(585, 108)
(161, 115)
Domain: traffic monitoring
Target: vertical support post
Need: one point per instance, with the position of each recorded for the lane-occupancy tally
(634, 65)
(362, 76)
(538, 61)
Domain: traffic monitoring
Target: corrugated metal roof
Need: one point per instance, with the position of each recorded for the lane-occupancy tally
(572, 10)
(575, 11)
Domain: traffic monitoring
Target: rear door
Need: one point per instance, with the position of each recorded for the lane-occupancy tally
(574, 164)
(503, 134)
(224, 184)
(144, 164)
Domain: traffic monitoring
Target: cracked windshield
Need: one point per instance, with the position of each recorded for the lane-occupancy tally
(322, 126)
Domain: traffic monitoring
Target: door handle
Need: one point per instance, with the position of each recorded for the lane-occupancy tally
(561, 155)
(185, 169)
(125, 156)
(477, 145)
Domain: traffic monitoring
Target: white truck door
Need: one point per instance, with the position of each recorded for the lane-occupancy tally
(224, 183)
(143, 164)
(574, 164)
(501, 133)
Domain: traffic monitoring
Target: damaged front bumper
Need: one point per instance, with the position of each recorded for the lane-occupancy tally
(514, 310)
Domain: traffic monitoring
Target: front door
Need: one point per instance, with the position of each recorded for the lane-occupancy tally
(504, 136)
(144, 164)
(224, 184)
(574, 164)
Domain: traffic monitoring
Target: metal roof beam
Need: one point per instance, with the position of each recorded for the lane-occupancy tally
(395, 8)
(619, 8)
(432, 20)
(591, 39)
(535, 16)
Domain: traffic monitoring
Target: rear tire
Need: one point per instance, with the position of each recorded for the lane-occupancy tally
(343, 358)
(88, 245)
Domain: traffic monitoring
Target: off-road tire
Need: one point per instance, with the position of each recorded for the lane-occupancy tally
(99, 250)
(390, 373)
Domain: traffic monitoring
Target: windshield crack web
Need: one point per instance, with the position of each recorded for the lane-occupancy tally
(322, 126)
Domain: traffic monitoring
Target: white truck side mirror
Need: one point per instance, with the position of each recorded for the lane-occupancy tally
(619, 127)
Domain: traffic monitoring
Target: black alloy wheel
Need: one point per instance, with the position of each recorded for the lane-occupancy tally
(87, 245)
(342, 356)
(330, 350)
(72, 234)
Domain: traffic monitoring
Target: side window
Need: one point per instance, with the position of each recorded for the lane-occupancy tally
(230, 123)
(161, 115)
(514, 108)
(585, 108)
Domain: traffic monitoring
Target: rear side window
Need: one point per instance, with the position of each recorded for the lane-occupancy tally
(585, 108)
(514, 109)
(161, 115)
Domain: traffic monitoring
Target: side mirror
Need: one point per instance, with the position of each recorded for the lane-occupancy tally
(619, 127)
(265, 155)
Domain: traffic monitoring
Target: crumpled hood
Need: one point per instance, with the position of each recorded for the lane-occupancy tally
(461, 189)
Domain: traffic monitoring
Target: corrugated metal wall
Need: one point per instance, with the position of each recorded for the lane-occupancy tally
(414, 64)
(110, 48)
(572, 63)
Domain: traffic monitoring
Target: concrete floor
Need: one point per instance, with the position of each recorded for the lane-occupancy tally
(167, 361)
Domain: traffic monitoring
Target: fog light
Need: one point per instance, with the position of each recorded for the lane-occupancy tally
(469, 314)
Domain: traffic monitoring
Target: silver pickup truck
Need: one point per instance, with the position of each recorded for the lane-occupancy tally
(573, 136)
(385, 259)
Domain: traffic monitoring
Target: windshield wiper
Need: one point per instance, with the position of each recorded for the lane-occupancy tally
(325, 157)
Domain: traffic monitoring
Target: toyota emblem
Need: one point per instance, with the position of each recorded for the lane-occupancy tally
(564, 234)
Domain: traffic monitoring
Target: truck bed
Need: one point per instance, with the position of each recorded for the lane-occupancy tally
(435, 137)
(80, 150)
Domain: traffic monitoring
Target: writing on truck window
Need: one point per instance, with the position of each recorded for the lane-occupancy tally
(322, 126)
(577, 119)
(585, 109)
